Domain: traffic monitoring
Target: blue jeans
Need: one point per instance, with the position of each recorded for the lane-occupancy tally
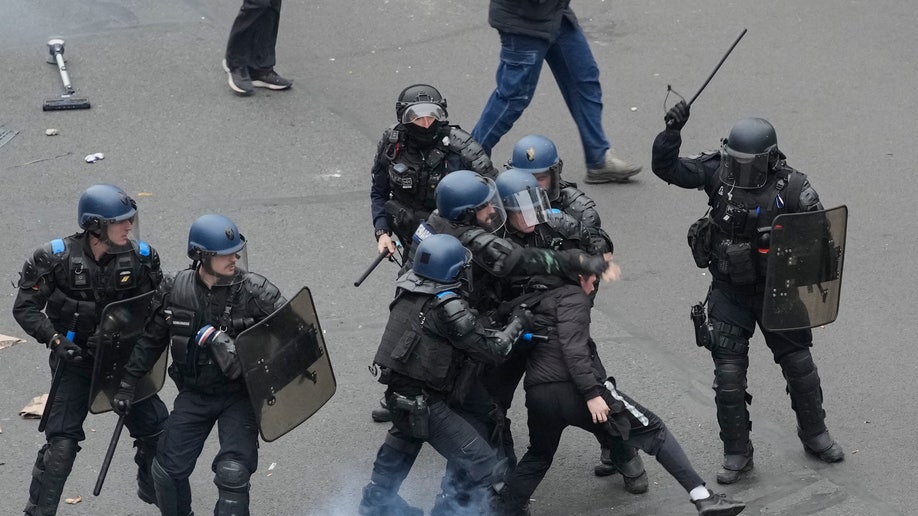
(571, 62)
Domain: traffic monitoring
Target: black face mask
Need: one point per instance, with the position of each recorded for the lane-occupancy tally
(421, 135)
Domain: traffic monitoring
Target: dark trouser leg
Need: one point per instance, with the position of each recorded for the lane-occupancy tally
(393, 462)
(193, 416)
(173, 497)
(52, 467)
(804, 388)
(145, 422)
(237, 431)
(253, 35)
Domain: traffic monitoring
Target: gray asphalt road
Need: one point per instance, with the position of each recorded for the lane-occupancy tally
(292, 169)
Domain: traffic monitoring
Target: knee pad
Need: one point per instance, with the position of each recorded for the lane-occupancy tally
(232, 479)
(59, 456)
(730, 381)
(232, 476)
(800, 372)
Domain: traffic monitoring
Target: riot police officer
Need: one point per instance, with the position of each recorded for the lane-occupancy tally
(63, 289)
(199, 311)
(430, 338)
(412, 157)
(538, 155)
(748, 184)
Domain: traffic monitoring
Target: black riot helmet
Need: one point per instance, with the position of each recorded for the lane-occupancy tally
(425, 98)
(749, 153)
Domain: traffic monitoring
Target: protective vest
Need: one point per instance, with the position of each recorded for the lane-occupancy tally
(85, 287)
(190, 308)
(414, 173)
(741, 222)
(411, 349)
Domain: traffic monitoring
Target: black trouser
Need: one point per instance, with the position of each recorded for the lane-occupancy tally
(254, 35)
(734, 312)
(552, 407)
(64, 428)
(194, 415)
(452, 435)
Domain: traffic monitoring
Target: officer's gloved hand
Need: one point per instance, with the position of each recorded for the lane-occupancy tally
(523, 314)
(65, 349)
(677, 116)
(124, 397)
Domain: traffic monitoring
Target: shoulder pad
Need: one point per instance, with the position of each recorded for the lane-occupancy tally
(446, 295)
(705, 156)
(266, 294)
(462, 143)
(58, 246)
(42, 262)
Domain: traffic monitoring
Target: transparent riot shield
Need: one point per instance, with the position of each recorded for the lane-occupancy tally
(121, 325)
(803, 282)
(286, 366)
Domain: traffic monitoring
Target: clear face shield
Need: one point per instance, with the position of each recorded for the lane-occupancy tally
(742, 170)
(419, 112)
(527, 209)
(120, 236)
(490, 215)
(226, 269)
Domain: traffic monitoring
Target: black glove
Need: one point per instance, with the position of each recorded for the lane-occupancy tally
(123, 399)
(65, 349)
(524, 315)
(677, 116)
(593, 264)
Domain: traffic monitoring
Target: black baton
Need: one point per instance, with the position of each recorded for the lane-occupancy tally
(56, 379)
(108, 456)
(722, 59)
(379, 258)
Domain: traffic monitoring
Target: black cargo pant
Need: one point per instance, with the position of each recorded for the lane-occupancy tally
(194, 415)
(64, 429)
(254, 35)
(734, 313)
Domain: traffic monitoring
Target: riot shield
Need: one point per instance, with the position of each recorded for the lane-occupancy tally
(119, 328)
(286, 366)
(803, 282)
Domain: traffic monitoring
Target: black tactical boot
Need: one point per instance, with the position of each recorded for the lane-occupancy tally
(378, 501)
(605, 467)
(634, 476)
(718, 505)
(735, 468)
(143, 457)
(824, 447)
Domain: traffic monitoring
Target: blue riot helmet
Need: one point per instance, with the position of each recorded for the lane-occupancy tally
(103, 210)
(215, 242)
(538, 155)
(526, 204)
(749, 153)
(441, 258)
(466, 197)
